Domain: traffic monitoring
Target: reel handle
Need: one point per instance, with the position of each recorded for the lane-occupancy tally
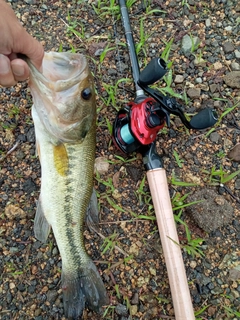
(153, 72)
(204, 119)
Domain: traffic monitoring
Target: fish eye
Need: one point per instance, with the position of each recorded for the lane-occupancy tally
(86, 94)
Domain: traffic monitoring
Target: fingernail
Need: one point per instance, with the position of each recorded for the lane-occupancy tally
(18, 70)
(4, 64)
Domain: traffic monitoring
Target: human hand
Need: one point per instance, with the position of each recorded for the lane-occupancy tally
(14, 39)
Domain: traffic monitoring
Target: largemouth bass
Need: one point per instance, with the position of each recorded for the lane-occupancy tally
(64, 115)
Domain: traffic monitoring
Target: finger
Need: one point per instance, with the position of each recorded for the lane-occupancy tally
(6, 76)
(20, 69)
(31, 48)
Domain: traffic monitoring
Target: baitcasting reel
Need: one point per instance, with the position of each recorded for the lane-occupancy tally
(139, 122)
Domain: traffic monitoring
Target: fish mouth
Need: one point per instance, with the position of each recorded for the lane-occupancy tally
(59, 72)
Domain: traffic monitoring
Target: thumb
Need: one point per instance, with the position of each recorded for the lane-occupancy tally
(31, 48)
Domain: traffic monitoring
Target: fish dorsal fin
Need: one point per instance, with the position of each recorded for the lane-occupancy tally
(41, 226)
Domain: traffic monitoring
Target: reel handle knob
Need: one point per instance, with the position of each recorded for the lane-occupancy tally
(154, 71)
(204, 119)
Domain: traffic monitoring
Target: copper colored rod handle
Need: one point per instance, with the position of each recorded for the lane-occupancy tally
(182, 302)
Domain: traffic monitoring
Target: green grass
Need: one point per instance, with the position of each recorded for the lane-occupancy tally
(219, 176)
(185, 3)
(191, 245)
(178, 159)
(222, 115)
(141, 44)
(105, 8)
(109, 243)
(74, 28)
(177, 182)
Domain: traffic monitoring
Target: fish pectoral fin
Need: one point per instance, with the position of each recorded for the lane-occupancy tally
(92, 214)
(41, 226)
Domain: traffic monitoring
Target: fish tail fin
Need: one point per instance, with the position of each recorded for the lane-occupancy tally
(41, 226)
(86, 289)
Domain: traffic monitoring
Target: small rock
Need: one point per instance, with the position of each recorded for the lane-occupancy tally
(204, 87)
(215, 137)
(189, 42)
(117, 195)
(21, 287)
(20, 155)
(52, 295)
(217, 65)
(194, 93)
(134, 249)
(12, 285)
(179, 78)
(234, 274)
(135, 298)
(211, 310)
(112, 72)
(152, 271)
(101, 165)
(232, 79)
(228, 47)
(142, 281)
(235, 66)
(12, 211)
(116, 177)
(199, 61)
(22, 138)
(237, 184)
(217, 104)
(228, 29)
(219, 200)
(192, 178)
(29, 186)
(237, 54)
(98, 52)
(213, 87)
(31, 135)
(235, 294)
(208, 214)
(9, 297)
(193, 264)
(134, 309)
(198, 80)
(234, 153)
(38, 312)
(121, 310)
(134, 172)
(208, 23)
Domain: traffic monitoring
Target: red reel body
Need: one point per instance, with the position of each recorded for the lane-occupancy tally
(137, 125)
(145, 123)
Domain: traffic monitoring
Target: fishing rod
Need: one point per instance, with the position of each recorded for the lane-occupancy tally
(135, 129)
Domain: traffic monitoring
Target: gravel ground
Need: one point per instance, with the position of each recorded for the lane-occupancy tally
(133, 268)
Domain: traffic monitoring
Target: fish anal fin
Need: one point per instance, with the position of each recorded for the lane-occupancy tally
(92, 214)
(41, 226)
